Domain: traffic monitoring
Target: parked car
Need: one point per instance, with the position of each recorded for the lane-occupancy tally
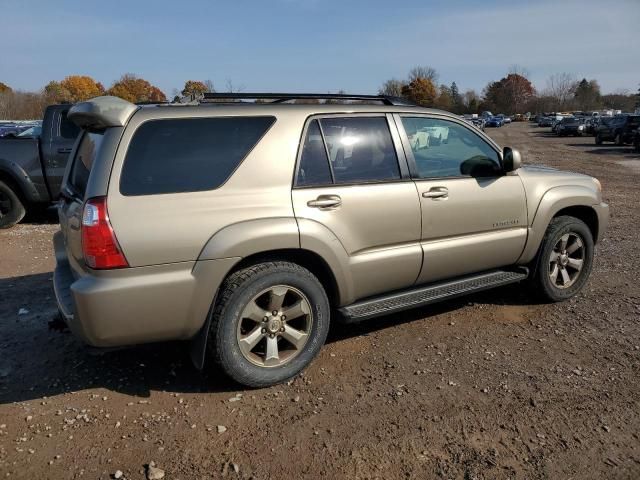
(636, 140)
(505, 119)
(201, 223)
(32, 132)
(620, 129)
(494, 121)
(31, 167)
(545, 121)
(575, 126)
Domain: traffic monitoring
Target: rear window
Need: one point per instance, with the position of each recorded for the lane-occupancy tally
(188, 155)
(85, 156)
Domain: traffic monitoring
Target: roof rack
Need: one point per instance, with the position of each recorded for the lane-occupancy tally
(285, 97)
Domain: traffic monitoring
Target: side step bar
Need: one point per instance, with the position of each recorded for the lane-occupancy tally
(424, 295)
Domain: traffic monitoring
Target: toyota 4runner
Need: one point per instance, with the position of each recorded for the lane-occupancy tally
(247, 227)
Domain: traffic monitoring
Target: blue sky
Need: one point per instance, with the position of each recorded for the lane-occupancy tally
(317, 45)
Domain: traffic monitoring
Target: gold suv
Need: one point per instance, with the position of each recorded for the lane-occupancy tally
(246, 227)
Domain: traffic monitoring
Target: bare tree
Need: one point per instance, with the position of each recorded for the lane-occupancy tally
(424, 71)
(519, 70)
(562, 87)
(231, 88)
(209, 85)
(392, 88)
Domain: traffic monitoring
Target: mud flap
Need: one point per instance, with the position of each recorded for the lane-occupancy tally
(198, 347)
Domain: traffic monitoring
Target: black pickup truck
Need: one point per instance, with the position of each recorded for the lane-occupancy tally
(31, 168)
(619, 129)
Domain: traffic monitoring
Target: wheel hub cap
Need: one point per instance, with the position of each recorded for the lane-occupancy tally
(274, 325)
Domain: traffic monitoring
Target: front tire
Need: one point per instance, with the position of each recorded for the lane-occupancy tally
(619, 141)
(269, 323)
(11, 207)
(598, 139)
(565, 259)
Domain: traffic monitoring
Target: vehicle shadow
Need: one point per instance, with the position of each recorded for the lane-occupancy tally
(39, 215)
(40, 357)
(625, 151)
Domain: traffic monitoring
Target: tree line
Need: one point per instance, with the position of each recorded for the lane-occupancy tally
(19, 105)
(513, 93)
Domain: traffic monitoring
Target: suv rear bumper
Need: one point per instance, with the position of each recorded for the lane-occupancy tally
(129, 306)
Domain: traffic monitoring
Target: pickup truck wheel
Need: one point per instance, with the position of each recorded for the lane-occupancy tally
(11, 208)
(270, 321)
(598, 139)
(565, 259)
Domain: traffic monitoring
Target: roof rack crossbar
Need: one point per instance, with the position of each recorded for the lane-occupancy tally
(285, 97)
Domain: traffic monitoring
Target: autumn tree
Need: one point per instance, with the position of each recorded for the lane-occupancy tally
(194, 88)
(420, 91)
(510, 94)
(134, 89)
(74, 88)
(587, 95)
(4, 88)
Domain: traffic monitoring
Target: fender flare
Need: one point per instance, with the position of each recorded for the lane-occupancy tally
(244, 239)
(554, 200)
(19, 176)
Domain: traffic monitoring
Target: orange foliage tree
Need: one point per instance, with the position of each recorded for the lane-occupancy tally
(134, 89)
(421, 91)
(4, 88)
(194, 88)
(74, 88)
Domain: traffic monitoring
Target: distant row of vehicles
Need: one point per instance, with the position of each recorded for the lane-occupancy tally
(20, 129)
(487, 119)
(621, 128)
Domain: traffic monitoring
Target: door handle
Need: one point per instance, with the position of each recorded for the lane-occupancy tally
(64, 150)
(437, 192)
(325, 201)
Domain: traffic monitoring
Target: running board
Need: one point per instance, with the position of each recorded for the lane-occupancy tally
(424, 295)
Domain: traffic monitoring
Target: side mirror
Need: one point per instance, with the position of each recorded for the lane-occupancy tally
(511, 159)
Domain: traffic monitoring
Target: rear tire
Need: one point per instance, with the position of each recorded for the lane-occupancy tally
(11, 207)
(619, 140)
(565, 259)
(251, 338)
(598, 139)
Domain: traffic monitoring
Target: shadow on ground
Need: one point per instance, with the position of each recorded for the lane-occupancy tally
(40, 357)
(625, 151)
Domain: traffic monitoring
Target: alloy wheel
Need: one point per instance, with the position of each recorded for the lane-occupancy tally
(566, 260)
(275, 326)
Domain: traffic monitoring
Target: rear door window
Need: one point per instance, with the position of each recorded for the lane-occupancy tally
(83, 162)
(188, 155)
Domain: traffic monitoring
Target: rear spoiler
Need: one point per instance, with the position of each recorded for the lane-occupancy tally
(102, 112)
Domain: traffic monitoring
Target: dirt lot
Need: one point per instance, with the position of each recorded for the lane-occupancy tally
(492, 386)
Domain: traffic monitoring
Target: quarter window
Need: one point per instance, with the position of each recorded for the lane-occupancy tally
(447, 149)
(314, 165)
(188, 155)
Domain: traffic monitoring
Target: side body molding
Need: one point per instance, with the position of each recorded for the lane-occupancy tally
(554, 200)
(243, 239)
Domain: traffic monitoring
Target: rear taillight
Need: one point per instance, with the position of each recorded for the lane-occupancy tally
(99, 244)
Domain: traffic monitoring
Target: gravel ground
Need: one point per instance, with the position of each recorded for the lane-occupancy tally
(488, 387)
